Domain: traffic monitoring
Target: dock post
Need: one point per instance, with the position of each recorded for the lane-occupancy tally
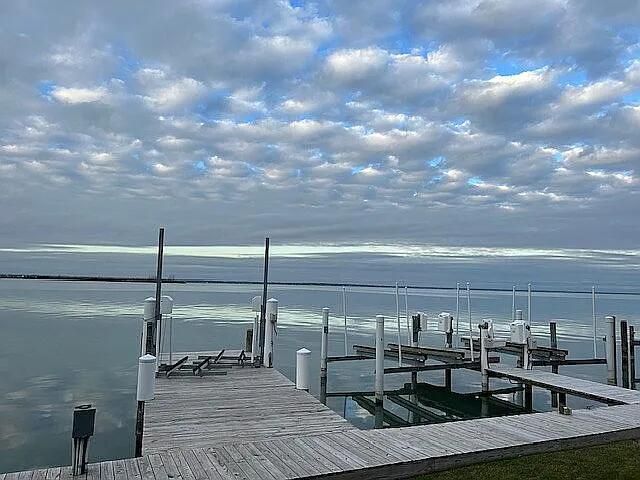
(263, 306)
(303, 366)
(379, 383)
(271, 315)
(528, 397)
(254, 338)
(484, 355)
(324, 352)
(147, 325)
(624, 346)
(415, 329)
(554, 368)
(610, 353)
(84, 419)
(145, 391)
(632, 358)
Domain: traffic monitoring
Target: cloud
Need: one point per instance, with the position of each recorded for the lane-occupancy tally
(321, 120)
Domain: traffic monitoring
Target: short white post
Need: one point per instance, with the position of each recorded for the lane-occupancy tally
(610, 352)
(484, 355)
(470, 324)
(145, 391)
(271, 318)
(303, 369)
(399, 330)
(324, 353)
(254, 338)
(379, 383)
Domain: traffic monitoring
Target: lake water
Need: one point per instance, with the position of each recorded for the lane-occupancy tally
(66, 343)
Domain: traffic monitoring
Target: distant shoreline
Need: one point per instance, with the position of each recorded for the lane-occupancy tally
(171, 280)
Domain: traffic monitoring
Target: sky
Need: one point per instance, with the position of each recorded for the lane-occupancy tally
(481, 123)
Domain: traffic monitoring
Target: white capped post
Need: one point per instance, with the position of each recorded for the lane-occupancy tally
(529, 304)
(148, 318)
(484, 355)
(145, 391)
(470, 324)
(399, 329)
(271, 318)
(324, 353)
(513, 303)
(256, 306)
(303, 369)
(379, 382)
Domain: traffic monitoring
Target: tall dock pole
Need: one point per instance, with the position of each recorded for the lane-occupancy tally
(263, 307)
(152, 327)
(324, 353)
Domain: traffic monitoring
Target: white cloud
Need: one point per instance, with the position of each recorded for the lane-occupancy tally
(73, 95)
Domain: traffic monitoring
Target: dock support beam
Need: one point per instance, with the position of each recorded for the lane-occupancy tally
(324, 349)
(379, 383)
(612, 369)
(624, 346)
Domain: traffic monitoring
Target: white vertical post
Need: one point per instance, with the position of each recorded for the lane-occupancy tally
(271, 317)
(344, 311)
(399, 330)
(406, 311)
(379, 383)
(457, 314)
(529, 304)
(593, 312)
(324, 353)
(484, 356)
(513, 303)
(610, 352)
(303, 369)
(470, 325)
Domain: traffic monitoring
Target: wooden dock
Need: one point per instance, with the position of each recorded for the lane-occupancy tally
(374, 454)
(247, 404)
(600, 392)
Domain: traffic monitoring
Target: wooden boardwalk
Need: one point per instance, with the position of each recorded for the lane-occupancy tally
(247, 404)
(374, 454)
(601, 392)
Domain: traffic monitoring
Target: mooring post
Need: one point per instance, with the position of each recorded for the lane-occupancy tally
(324, 353)
(271, 314)
(457, 314)
(303, 369)
(145, 391)
(415, 329)
(84, 419)
(470, 325)
(379, 383)
(147, 324)
(484, 355)
(399, 329)
(151, 347)
(263, 306)
(528, 397)
(554, 368)
(632, 358)
(624, 346)
(344, 313)
(610, 351)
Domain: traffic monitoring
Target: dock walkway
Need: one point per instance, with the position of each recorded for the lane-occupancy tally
(374, 454)
(601, 392)
(247, 404)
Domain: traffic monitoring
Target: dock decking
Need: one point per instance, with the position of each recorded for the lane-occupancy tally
(247, 404)
(601, 392)
(374, 454)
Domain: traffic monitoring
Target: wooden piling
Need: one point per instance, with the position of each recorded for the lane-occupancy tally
(624, 346)
(248, 340)
(554, 368)
(610, 352)
(324, 349)
(263, 307)
(528, 397)
(379, 379)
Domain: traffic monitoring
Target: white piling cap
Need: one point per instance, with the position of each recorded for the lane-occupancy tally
(256, 303)
(149, 308)
(304, 351)
(146, 378)
(272, 300)
(166, 305)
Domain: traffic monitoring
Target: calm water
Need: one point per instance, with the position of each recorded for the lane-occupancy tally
(66, 343)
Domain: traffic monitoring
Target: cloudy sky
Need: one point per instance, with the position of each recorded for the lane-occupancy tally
(475, 122)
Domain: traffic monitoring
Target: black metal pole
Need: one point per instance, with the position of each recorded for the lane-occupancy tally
(151, 347)
(139, 428)
(263, 307)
